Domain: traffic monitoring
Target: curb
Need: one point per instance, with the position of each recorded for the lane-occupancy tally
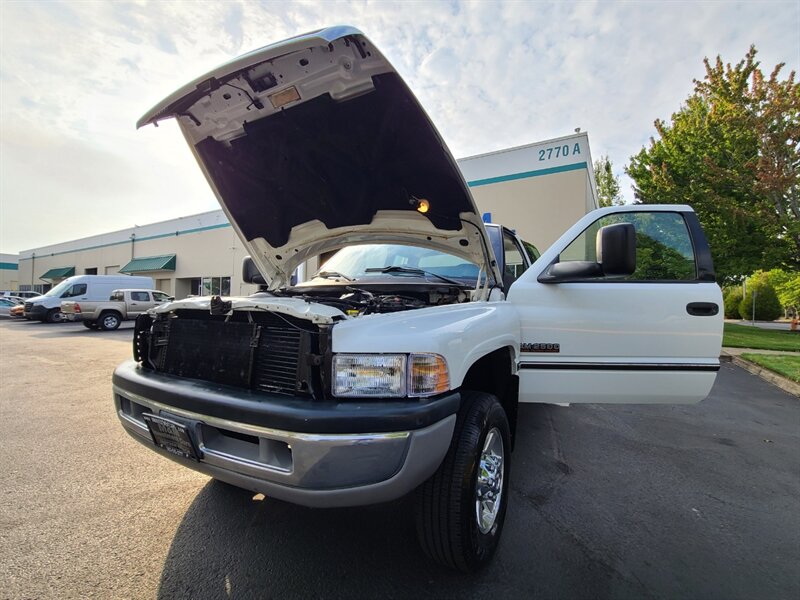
(786, 384)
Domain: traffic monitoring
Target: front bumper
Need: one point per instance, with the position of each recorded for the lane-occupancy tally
(37, 311)
(330, 455)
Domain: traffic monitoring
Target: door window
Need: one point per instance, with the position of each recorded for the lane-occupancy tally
(160, 297)
(533, 251)
(515, 265)
(140, 296)
(664, 249)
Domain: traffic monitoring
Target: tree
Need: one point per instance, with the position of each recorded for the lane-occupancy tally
(787, 286)
(768, 307)
(608, 193)
(732, 151)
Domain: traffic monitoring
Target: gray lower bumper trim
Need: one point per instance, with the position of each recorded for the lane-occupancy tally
(330, 470)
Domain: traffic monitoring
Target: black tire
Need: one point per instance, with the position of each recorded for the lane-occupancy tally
(109, 321)
(54, 315)
(446, 505)
(89, 324)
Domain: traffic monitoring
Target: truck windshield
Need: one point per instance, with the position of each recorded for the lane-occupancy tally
(372, 260)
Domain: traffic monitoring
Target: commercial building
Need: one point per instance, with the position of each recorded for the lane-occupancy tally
(9, 272)
(539, 190)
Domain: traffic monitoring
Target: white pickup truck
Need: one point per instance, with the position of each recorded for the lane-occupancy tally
(399, 367)
(122, 305)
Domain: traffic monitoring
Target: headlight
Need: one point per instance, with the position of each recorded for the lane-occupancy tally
(389, 375)
(369, 375)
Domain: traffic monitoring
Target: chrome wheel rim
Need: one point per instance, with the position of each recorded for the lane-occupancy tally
(109, 322)
(489, 483)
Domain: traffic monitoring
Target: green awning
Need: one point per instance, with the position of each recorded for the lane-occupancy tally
(59, 273)
(150, 264)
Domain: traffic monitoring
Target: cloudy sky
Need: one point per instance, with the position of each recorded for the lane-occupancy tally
(75, 77)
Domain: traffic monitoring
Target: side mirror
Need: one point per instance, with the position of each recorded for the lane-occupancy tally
(616, 249)
(250, 273)
(615, 246)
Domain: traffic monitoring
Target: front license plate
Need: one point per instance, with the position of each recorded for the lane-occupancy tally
(171, 436)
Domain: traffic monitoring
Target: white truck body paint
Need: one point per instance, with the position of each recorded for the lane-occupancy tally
(462, 333)
(618, 327)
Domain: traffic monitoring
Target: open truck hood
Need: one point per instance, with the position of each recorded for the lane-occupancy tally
(316, 143)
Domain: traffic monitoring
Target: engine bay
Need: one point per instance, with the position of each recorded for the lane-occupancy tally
(356, 301)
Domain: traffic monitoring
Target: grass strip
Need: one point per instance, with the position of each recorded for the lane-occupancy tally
(743, 336)
(786, 365)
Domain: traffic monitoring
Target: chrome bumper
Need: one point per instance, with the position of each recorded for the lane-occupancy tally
(321, 470)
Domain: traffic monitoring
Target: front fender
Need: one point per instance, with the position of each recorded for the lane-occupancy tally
(462, 333)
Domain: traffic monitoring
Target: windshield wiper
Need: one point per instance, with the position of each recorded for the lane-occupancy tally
(412, 271)
(333, 275)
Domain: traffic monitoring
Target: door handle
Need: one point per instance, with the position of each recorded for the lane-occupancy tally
(702, 309)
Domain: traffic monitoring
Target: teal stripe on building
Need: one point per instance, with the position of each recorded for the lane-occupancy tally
(138, 239)
(9, 266)
(527, 174)
(475, 183)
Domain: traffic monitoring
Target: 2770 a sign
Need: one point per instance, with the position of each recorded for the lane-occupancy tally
(557, 151)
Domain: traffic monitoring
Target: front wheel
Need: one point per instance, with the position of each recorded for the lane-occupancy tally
(109, 321)
(461, 509)
(54, 316)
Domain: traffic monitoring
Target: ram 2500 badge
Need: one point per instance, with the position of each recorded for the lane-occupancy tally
(399, 367)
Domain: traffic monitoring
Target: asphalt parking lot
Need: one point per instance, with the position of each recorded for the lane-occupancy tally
(607, 502)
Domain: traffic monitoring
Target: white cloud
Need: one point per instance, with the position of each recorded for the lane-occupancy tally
(74, 78)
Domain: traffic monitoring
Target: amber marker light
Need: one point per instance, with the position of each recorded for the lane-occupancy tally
(427, 375)
(423, 205)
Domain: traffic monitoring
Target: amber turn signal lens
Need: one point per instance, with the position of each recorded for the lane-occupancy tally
(427, 375)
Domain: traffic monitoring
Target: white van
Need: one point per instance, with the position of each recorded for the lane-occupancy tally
(80, 287)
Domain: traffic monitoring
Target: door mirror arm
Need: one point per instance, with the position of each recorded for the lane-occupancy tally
(571, 271)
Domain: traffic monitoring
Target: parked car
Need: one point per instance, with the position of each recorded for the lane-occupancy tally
(5, 307)
(122, 305)
(91, 288)
(19, 294)
(399, 368)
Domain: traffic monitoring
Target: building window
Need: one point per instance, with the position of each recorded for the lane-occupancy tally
(215, 286)
(90, 271)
